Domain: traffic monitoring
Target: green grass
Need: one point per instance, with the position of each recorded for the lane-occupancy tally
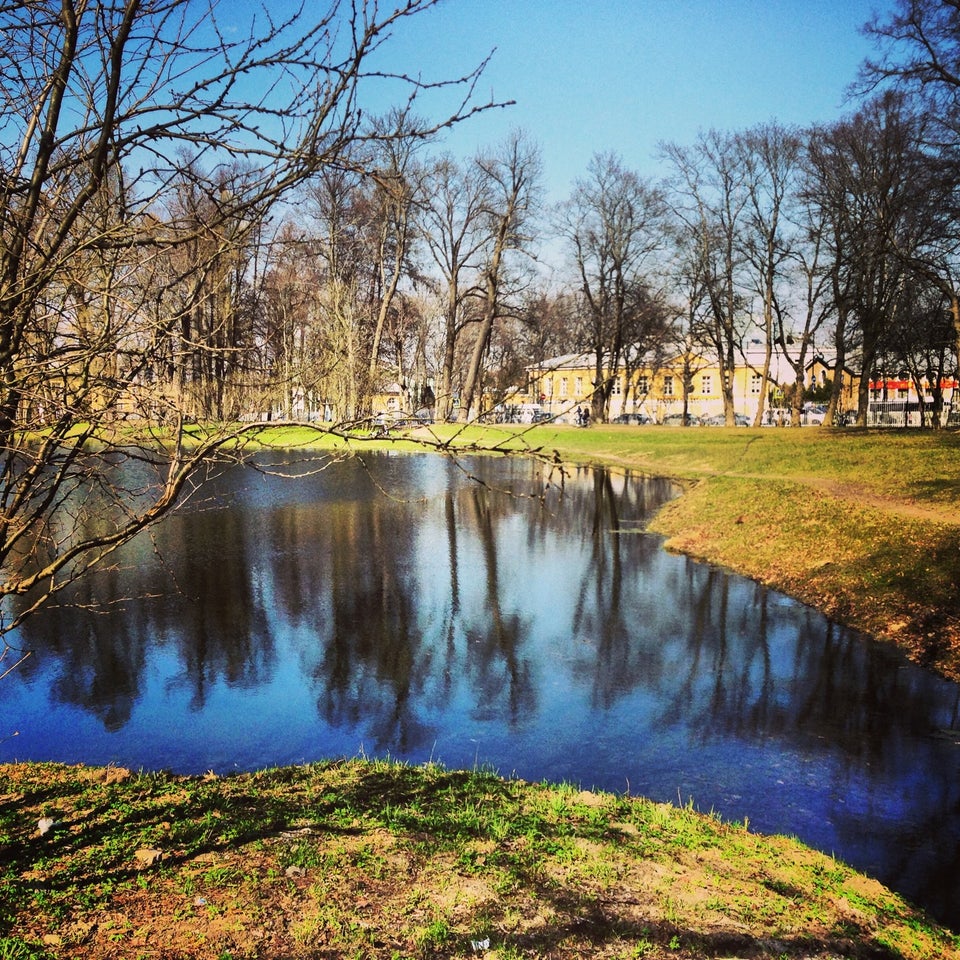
(914, 464)
(392, 860)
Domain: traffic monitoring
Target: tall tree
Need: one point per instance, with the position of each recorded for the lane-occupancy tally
(799, 323)
(512, 179)
(918, 45)
(866, 165)
(771, 155)
(920, 348)
(919, 55)
(710, 200)
(344, 298)
(613, 223)
(209, 255)
(823, 197)
(290, 327)
(452, 226)
(398, 183)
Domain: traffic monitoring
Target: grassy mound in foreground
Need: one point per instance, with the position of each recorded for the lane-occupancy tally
(373, 859)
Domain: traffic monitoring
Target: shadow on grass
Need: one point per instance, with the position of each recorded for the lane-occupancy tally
(929, 618)
(100, 826)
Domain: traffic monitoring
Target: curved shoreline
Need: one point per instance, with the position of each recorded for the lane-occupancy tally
(377, 860)
(867, 555)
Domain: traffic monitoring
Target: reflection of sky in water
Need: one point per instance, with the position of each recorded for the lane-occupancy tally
(472, 628)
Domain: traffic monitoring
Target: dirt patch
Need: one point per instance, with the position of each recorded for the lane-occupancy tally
(863, 496)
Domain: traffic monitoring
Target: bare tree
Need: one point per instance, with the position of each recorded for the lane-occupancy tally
(823, 196)
(798, 324)
(920, 347)
(711, 203)
(398, 177)
(771, 155)
(918, 52)
(614, 223)
(356, 219)
(343, 300)
(688, 274)
(919, 55)
(452, 226)
(207, 255)
(649, 344)
(867, 166)
(294, 370)
(543, 328)
(107, 108)
(512, 177)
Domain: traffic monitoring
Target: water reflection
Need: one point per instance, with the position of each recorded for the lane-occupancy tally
(400, 607)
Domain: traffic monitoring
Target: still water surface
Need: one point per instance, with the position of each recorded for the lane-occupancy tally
(402, 607)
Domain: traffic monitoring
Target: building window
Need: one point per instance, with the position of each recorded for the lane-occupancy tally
(668, 386)
(902, 393)
(578, 387)
(756, 382)
(617, 388)
(643, 385)
(563, 386)
(547, 387)
(706, 384)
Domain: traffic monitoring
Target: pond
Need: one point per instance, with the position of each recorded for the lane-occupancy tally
(481, 613)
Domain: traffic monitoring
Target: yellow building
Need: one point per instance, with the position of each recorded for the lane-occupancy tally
(821, 373)
(388, 402)
(562, 384)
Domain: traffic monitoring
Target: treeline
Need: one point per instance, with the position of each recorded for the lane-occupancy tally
(360, 256)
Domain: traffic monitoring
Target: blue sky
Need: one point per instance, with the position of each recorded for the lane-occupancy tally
(626, 75)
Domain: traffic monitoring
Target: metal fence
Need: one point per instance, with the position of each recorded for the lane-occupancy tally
(907, 413)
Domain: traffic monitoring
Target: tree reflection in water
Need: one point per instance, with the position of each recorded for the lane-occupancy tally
(412, 611)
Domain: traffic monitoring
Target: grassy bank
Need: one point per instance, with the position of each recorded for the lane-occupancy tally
(370, 859)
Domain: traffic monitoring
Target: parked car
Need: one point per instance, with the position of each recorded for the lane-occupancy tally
(676, 420)
(633, 419)
(720, 420)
